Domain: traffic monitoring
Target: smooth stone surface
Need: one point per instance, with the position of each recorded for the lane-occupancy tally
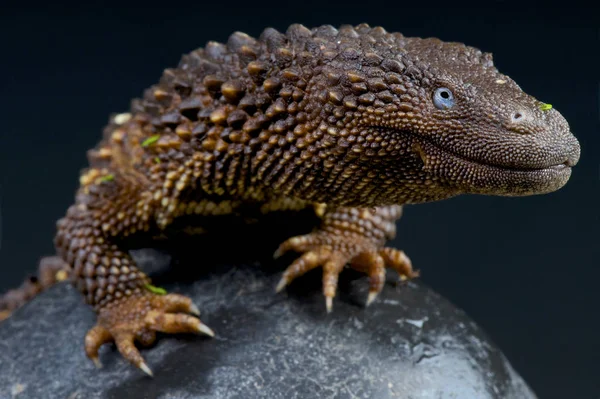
(410, 343)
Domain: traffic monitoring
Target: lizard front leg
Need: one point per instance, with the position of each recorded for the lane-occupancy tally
(353, 236)
(92, 238)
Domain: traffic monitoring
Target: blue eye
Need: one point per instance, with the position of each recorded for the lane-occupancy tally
(443, 98)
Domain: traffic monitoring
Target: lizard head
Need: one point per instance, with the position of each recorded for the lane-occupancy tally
(420, 112)
(474, 128)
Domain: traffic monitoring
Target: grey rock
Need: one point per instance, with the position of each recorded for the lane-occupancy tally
(411, 343)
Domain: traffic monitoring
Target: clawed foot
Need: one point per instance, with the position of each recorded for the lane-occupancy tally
(334, 252)
(137, 319)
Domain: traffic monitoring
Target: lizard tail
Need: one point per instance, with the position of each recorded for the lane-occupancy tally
(51, 270)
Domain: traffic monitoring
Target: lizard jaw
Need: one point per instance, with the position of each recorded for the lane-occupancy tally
(476, 177)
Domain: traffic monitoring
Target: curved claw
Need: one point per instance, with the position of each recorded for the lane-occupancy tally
(284, 247)
(175, 303)
(331, 271)
(279, 253)
(144, 367)
(176, 323)
(97, 362)
(194, 310)
(94, 339)
(128, 350)
(204, 329)
(329, 304)
(281, 284)
(398, 261)
(371, 298)
(374, 265)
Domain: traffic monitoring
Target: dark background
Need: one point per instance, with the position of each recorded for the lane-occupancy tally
(525, 269)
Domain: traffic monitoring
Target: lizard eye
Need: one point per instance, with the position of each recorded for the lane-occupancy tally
(443, 98)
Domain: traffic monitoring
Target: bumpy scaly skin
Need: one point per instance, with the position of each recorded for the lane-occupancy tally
(340, 120)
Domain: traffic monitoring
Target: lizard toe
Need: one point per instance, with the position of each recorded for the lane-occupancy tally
(398, 261)
(374, 265)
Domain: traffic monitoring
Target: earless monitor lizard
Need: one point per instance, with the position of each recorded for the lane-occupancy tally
(354, 122)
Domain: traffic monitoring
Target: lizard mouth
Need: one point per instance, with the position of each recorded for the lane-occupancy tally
(481, 177)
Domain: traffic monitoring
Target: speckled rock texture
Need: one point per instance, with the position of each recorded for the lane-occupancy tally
(410, 343)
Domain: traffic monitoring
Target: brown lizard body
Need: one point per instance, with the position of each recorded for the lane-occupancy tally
(354, 122)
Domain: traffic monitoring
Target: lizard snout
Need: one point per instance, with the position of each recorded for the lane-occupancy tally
(574, 153)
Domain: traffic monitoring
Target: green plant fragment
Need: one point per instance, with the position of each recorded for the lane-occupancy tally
(155, 290)
(150, 140)
(107, 178)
